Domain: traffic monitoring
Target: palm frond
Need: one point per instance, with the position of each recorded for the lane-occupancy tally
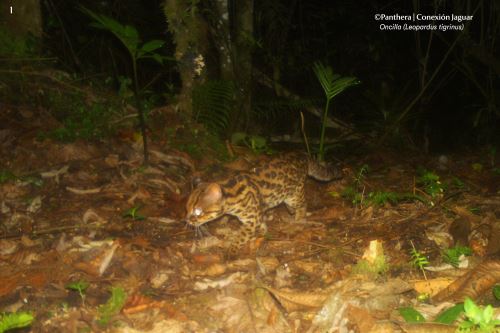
(332, 84)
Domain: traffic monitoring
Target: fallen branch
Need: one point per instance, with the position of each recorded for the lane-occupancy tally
(281, 91)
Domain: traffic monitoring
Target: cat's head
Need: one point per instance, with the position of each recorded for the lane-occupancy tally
(204, 204)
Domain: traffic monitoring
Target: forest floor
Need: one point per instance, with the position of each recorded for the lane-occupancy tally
(91, 240)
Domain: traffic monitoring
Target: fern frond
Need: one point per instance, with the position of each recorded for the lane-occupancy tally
(213, 103)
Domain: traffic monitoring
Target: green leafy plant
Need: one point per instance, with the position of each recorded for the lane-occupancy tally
(477, 167)
(333, 84)
(449, 315)
(84, 122)
(458, 183)
(418, 260)
(129, 36)
(496, 291)
(189, 142)
(377, 198)
(256, 143)
(410, 315)
(6, 175)
(360, 175)
(355, 192)
(113, 306)
(475, 210)
(79, 286)
(452, 255)
(34, 180)
(492, 152)
(124, 91)
(351, 193)
(133, 213)
(213, 103)
(380, 198)
(431, 184)
(15, 320)
(478, 320)
(371, 268)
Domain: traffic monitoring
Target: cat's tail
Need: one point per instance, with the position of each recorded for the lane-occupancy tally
(324, 173)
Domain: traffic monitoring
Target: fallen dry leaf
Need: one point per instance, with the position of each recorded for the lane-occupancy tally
(472, 284)
(432, 286)
(166, 326)
(35, 205)
(464, 212)
(206, 258)
(112, 160)
(360, 318)
(332, 316)
(428, 328)
(205, 284)
(328, 214)
(96, 260)
(293, 300)
(137, 303)
(91, 216)
(212, 270)
(7, 246)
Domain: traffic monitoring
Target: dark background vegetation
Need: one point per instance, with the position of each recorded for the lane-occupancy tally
(458, 110)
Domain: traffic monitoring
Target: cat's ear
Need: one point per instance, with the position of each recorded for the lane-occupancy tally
(213, 193)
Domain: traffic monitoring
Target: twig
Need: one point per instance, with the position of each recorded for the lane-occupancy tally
(27, 59)
(52, 230)
(419, 95)
(283, 92)
(42, 74)
(304, 133)
(322, 247)
(438, 204)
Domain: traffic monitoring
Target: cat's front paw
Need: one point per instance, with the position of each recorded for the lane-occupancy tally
(237, 249)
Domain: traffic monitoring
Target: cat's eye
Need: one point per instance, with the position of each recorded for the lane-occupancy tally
(197, 211)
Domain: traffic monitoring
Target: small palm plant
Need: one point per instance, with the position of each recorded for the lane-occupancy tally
(333, 84)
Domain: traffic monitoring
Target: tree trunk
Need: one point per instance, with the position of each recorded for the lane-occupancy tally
(26, 17)
(190, 37)
(231, 35)
(243, 32)
(222, 39)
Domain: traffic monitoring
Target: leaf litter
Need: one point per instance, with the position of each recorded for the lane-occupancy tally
(71, 223)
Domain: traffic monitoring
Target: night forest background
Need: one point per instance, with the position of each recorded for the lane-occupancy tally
(430, 91)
